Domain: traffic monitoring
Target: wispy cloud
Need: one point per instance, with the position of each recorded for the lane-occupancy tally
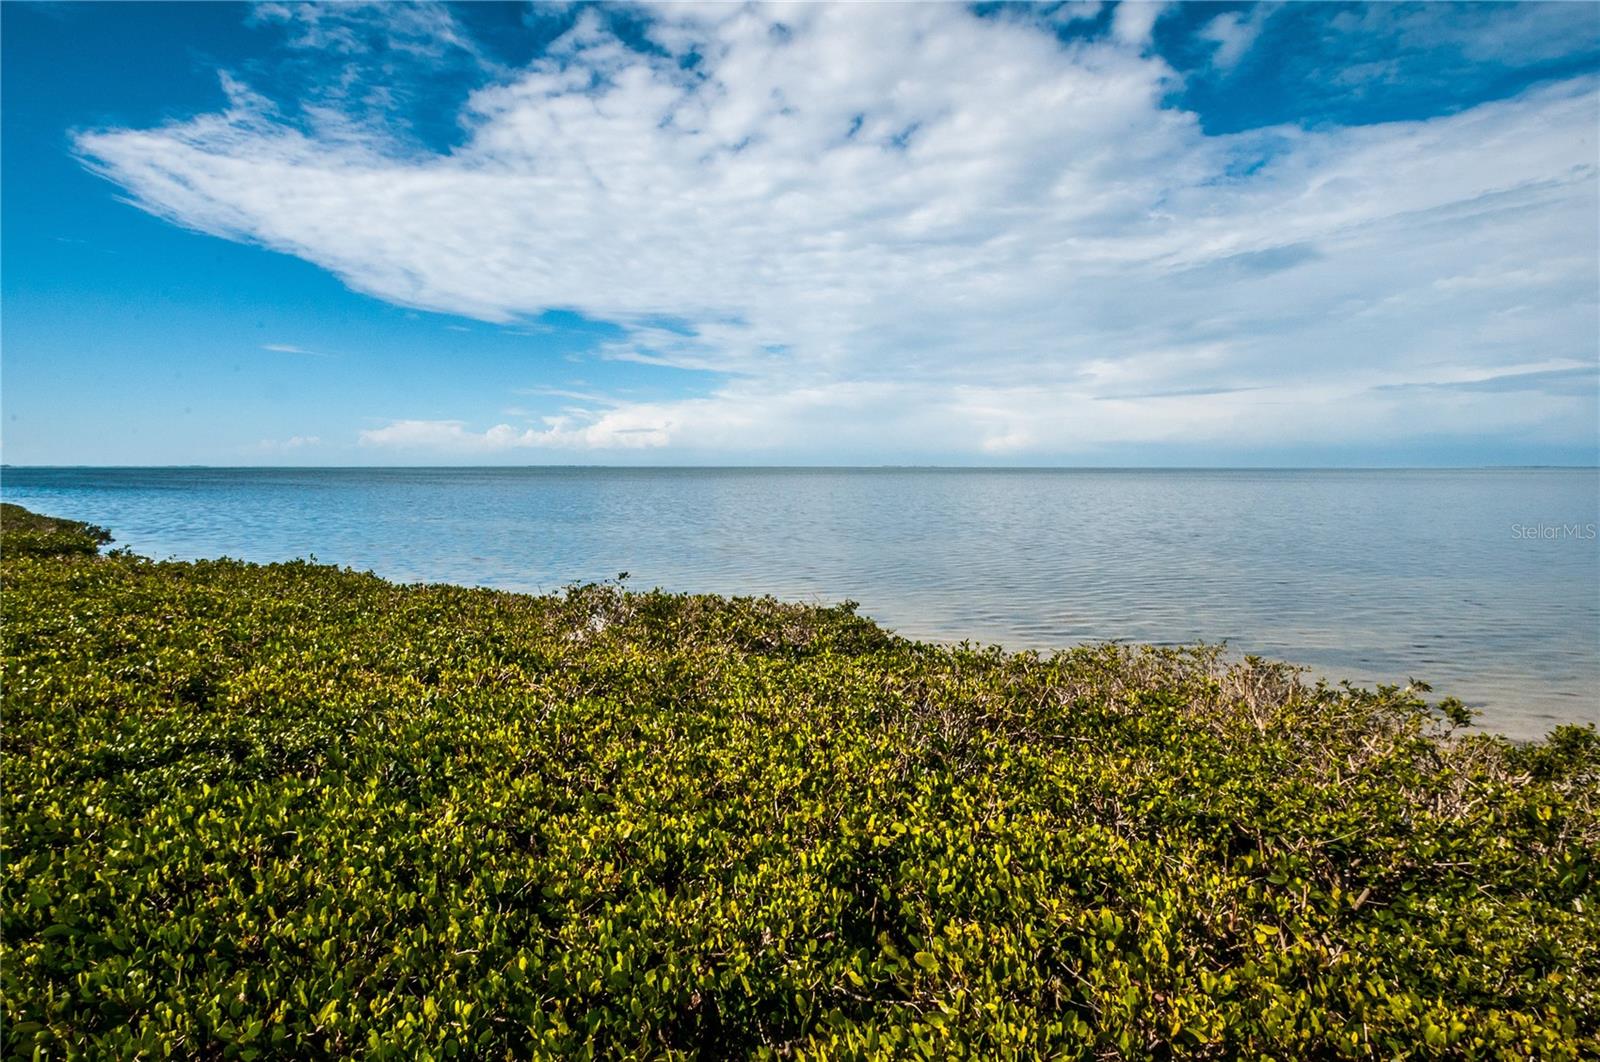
(1235, 32)
(904, 226)
(350, 27)
(1134, 21)
(630, 429)
(561, 392)
(1579, 380)
(290, 348)
(289, 445)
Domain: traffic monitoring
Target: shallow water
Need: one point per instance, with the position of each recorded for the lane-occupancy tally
(1485, 583)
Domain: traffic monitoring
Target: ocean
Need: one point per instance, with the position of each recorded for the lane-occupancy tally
(1484, 583)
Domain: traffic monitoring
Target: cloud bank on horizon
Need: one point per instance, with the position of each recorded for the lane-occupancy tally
(904, 229)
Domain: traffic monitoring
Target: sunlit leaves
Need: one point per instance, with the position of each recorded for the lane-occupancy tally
(291, 810)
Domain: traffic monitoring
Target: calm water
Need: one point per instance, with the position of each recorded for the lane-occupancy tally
(1468, 579)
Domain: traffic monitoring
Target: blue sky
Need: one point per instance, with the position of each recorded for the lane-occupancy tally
(1302, 234)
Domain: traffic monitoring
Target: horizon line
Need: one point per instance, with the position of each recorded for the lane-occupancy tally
(6, 466)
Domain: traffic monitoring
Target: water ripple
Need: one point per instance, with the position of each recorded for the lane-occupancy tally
(1375, 576)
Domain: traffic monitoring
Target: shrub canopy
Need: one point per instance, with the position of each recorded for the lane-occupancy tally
(294, 810)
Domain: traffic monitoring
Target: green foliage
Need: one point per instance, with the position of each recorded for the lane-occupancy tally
(24, 532)
(294, 811)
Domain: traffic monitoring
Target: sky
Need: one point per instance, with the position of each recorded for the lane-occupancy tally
(1304, 234)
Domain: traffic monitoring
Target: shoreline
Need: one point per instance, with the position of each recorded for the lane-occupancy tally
(299, 809)
(1500, 706)
(1376, 577)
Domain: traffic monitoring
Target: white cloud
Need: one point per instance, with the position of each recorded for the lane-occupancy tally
(900, 228)
(1235, 32)
(293, 442)
(1133, 21)
(1076, 11)
(633, 429)
(348, 27)
(290, 348)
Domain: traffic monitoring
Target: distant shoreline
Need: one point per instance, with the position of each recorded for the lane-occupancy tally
(819, 468)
